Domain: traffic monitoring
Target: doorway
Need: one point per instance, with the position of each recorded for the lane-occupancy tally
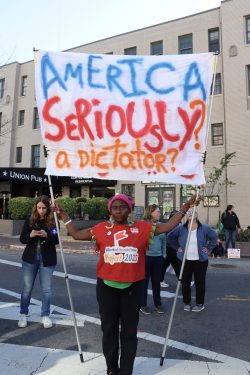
(164, 197)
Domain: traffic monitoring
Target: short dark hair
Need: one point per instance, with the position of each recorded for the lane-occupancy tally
(229, 207)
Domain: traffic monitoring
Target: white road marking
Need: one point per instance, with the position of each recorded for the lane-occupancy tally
(15, 361)
(66, 316)
(10, 311)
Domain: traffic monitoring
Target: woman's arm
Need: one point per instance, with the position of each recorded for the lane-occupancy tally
(82, 234)
(176, 219)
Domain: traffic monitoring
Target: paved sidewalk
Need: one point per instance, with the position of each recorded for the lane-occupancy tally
(71, 245)
(68, 244)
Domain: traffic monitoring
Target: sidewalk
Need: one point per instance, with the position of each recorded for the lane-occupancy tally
(68, 244)
(71, 245)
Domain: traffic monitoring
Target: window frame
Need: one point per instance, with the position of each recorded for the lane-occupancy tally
(157, 44)
(19, 154)
(35, 159)
(248, 80)
(216, 85)
(24, 85)
(1, 122)
(183, 50)
(216, 135)
(247, 27)
(21, 117)
(36, 121)
(130, 49)
(214, 42)
(2, 87)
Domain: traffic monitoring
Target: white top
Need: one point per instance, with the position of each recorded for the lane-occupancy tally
(192, 251)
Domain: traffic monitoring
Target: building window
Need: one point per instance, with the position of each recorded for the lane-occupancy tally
(19, 155)
(217, 134)
(214, 40)
(156, 48)
(186, 192)
(248, 79)
(129, 190)
(130, 51)
(1, 121)
(21, 118)
(36, 123)
(2, 83)
(109, 53)
(35, 156)
(217, 84)
(248, 29)
(185, 43)
(23, 85)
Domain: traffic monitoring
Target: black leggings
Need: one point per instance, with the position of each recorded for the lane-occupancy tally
(119, 307)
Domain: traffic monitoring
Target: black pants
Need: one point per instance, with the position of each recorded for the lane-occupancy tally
(172, 259)
(119, 307)
(199, 270)
(153, 270)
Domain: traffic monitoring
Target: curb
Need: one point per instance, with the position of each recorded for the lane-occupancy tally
(77, 251)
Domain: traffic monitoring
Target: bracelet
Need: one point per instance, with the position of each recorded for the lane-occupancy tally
(67, 222)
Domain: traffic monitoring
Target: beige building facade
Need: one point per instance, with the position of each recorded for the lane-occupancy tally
(225, 31)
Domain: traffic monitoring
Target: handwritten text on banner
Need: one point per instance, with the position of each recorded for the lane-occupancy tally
(124, 117)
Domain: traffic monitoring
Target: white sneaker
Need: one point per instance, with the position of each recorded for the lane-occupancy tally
(164, 285)
(22, 322)
(46, 321)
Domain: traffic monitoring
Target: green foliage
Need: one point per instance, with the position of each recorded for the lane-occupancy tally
(20, 207)
(68, 204)
(243, 236)
(213, 181)
(96, 208)
(80, 206)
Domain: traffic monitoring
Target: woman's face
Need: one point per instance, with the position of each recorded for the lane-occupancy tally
(41, 209)
(119, 211)
(156, 214)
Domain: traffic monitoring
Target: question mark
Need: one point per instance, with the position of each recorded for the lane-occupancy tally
(175, 153)
(193, 104)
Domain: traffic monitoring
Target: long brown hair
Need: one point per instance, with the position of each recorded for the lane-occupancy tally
(48, 218)
(148, 211)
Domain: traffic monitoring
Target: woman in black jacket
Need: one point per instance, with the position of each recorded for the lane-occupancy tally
(40, 236)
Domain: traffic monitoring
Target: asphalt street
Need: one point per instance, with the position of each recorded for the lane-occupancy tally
(215, 341)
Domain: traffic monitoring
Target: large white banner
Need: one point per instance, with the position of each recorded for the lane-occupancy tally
(124, 117)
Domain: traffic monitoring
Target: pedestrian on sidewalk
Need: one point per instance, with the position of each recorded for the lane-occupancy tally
(155, 256)
(122, 246)
(39, 256)
(202, 240)
(230, 223)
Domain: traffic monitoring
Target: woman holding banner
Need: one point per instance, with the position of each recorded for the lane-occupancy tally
(122, 246)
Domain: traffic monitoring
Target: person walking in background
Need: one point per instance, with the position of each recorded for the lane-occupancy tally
(40, 236)
(122, 245)
(230, 222)
(202, 240)
(154, 263)
(170, 260)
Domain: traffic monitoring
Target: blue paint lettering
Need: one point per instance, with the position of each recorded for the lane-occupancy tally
(77, 72)
(46, 66)
(193, 74)
(92, 70)
(131, 63)
(149, 77)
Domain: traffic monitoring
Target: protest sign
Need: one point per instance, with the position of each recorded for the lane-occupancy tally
(124, 117)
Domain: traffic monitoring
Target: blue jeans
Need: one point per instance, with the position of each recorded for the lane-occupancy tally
(29, 272)
(230, 237)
